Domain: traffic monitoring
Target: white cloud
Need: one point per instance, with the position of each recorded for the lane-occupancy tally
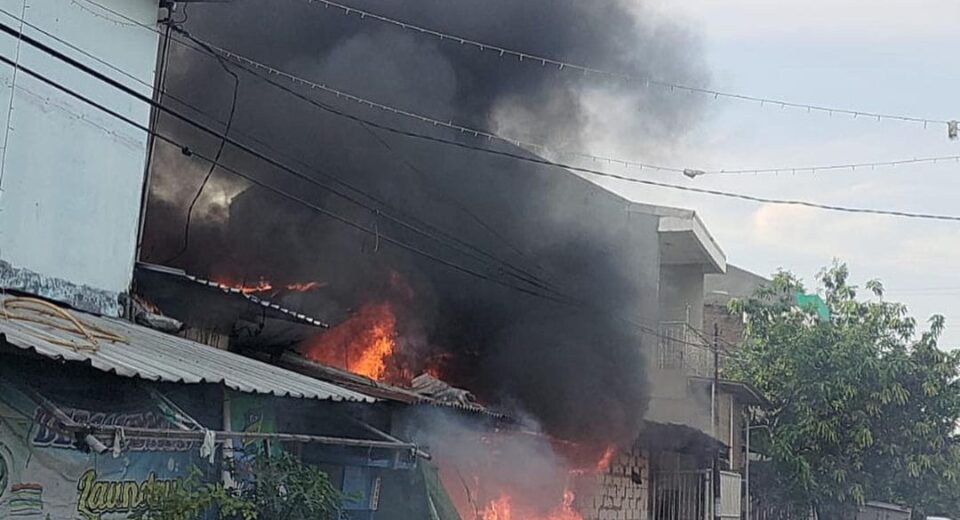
(843, 20)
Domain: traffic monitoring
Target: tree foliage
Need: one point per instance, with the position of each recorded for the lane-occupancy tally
(279, 488)
(865, 405)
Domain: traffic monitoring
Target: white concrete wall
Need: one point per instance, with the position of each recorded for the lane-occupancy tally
(71, 175)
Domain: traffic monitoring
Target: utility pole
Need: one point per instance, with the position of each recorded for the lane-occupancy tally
(715, 476)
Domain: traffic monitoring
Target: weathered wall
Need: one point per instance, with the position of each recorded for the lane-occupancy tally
(671, 399)
(615, 495)
(731, 325)
(70, 175)
(681, 294)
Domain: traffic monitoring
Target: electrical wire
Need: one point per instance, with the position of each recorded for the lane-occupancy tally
(213, 165)
(186, 150)
(101, 15)
(640, 327)
(834, 167)
(542, 148)
(564, 65)
(561, 300)
(204, 128)
(472, 251)
(433, 233)
(599, 173)
(13, 85)
(635, 180)
(455, 202)
(528, 277)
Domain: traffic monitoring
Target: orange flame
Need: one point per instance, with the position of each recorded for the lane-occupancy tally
(305, 286)
(502, 509)
(509, 505)
(363, 344)
(262, 286)
(604, 463)
(266, 286)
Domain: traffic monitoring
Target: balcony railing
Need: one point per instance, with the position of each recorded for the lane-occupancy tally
(679, 496)
(680, 348)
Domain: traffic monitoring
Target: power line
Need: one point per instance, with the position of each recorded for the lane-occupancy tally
(486, 134)
(562, 300)
(504, 267)
(599, 173)
(213, 165)
(507, 267)
(402, 112)
(190, 152)
(564, 65)
(834, 167)
(539, 147)
(13, 85)
(330, 214)
(366, 125)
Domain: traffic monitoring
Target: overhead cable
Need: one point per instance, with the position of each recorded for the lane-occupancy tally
(624, 178)
(299, 200)
(223, 143)
(564, 65)
(488, 135)
(203, 128)
(462, 129)
(559, 299)
(419, 226)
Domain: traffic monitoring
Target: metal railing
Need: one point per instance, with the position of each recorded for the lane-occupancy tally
(678, 348)
(671, 346)
(679, 496)
(771, 509)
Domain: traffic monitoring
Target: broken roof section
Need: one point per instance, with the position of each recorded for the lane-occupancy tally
(119, 347)
(166, 283)
(422, 394)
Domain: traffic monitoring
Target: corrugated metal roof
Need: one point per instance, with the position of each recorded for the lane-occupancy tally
(155, 356)
(252, 298)
(378, 389)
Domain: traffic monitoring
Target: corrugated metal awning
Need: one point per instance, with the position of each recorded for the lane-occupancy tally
(155, 356)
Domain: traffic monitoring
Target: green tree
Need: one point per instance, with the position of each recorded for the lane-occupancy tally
(280, 488)
(865, 406)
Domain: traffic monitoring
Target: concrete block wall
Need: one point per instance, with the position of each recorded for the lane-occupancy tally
(613, 494)
(731, 325)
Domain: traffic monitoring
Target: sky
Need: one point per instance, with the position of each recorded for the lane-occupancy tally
(888, 56)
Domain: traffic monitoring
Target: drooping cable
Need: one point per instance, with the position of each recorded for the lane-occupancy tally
(213, 165)
(598, 173)
(418, 226)
(558, 299)
(551, 150)
(647, 81)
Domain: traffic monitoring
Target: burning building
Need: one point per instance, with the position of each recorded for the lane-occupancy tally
(527, 281)
(514, 319)
(540, 293)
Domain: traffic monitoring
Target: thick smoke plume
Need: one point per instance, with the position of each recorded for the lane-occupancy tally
(478, 467)
(577, 367)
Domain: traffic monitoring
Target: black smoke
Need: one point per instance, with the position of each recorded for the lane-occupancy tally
(578, 365)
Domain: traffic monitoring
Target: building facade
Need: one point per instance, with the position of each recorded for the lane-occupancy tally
(71, 175)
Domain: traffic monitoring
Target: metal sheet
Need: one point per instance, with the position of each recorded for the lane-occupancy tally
(155, 356)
